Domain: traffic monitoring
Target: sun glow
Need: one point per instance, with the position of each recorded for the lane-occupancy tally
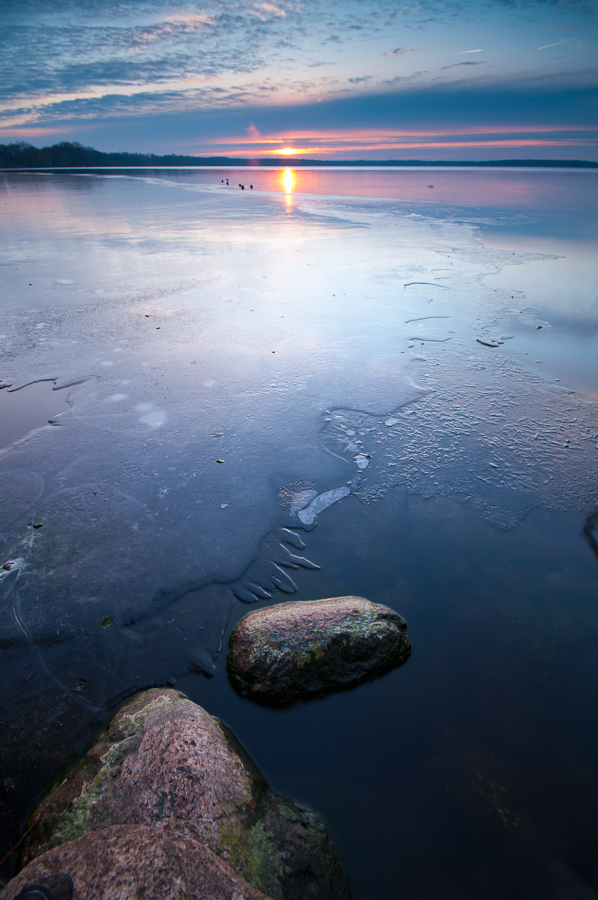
(386, 143)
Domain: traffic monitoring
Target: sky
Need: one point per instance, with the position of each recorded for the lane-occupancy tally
(328, 79)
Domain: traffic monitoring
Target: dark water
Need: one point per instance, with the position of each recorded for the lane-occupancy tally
(20, 413)
(470, 772)
(431, 363)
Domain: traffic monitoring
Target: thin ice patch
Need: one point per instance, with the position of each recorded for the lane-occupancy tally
(154, 419)
(322, 502)
(297, 495)
(488, 431)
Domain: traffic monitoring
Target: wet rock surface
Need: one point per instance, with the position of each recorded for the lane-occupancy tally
(125, 861)
(293, 651)
(165, 762)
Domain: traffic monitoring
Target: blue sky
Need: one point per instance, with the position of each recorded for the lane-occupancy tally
(328, 78)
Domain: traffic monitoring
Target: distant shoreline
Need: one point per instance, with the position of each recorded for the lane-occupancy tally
(75, 156)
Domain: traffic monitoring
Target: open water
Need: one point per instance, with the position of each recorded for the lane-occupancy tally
(370, 382)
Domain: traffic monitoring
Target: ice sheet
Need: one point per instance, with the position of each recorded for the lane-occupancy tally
(232, 364)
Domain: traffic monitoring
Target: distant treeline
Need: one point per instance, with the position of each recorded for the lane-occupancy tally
(66, 155)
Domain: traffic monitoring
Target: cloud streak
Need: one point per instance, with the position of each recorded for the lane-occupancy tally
(332, 143)
(546, 46)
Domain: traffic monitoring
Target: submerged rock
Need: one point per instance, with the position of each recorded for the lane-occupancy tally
(165, 762)
(125, 861)
(294, 651)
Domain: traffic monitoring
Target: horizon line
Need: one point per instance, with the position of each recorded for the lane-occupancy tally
(14, 156)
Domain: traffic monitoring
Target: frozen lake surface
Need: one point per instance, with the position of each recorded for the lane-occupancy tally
(371, 382)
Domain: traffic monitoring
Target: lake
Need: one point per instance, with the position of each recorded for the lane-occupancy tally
(187, 364)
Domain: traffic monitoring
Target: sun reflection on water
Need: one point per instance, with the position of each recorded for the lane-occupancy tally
(288, 181)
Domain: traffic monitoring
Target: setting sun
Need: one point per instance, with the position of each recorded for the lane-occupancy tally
(287, 151)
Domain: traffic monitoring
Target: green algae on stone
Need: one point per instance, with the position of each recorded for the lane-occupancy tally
(293, 651)
(123, 862)
(165, 762)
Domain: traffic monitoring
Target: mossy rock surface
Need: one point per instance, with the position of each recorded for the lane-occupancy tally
(122, 862)
(293, 651)
(165, 762)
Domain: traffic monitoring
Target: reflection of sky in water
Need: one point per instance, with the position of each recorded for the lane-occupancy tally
(318, 346)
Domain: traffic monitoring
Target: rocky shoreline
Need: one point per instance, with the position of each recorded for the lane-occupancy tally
(167, 804)
(166, 765)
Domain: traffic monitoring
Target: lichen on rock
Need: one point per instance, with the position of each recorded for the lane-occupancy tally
(165, 762)
(124, 861)
(293, 651)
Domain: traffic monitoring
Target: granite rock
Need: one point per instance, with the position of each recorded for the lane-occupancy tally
(164, 761)
(141, 861)
(294, 651)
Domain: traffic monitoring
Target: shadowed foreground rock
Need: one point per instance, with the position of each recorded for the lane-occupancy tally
(164, 761)
(127, 861)
(302, 649)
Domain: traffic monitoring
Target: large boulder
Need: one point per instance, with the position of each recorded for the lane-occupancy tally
(164, 761)
(293, 651)
(141, 861)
